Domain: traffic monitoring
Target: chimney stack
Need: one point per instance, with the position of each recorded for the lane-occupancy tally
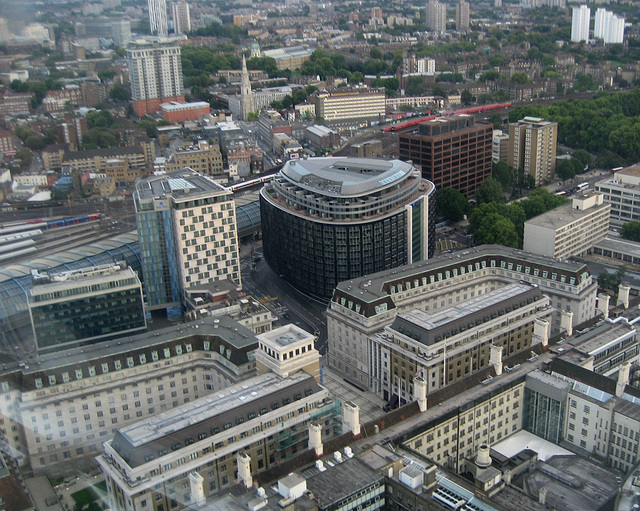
(351, 418)
(315, 438)
(540, 332)
(420, 392)
(495, 358)
(623, 378)
(623, 295)
(566, 322)
(244, 469)
(603, 304)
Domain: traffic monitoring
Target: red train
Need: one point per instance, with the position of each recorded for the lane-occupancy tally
(468, 110)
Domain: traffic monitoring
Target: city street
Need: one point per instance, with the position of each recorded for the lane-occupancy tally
(285, 302)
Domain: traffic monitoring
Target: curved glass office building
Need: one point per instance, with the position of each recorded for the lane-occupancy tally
(325, 220)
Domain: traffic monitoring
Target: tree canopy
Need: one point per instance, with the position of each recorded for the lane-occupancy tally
(451, 204)
(608, 125)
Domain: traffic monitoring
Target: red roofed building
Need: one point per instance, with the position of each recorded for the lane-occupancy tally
(177, 112)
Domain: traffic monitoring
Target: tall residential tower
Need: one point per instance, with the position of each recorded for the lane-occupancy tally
(181, 17)
(532, 147)
(158, 17)
(580, 24)
(155, 73)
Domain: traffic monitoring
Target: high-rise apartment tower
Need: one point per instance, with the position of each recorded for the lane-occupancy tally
(580, 24)
(181, 17)
(532, 147)
(155, 73)
(158, 17)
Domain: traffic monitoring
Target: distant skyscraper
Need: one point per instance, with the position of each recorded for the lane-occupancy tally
(4, 30)
(436, 16)
(181, 17)
(188, 236)
(121, 32)
(608, 27)
(158, 17)
(598, 27)
(580, 24)
(614, 30)
(462, 16)
(246, 94)
(155, 73)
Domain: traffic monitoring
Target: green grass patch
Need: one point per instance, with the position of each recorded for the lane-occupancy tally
(90, 494)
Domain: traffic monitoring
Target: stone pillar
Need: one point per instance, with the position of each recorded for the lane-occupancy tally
(566, 322)
(623, 378)
(244, 469)
(495, 358)
(196, 483)
(506, 477)
(540, 332)
(603, 304)
(420, 392)
(315, 438)
(351, 418)
(623, 295)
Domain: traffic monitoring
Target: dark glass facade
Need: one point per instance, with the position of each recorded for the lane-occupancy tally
(314, 253)
(88, 317)
(159, 263)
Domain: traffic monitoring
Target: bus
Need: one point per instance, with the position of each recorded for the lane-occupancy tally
(582, 186)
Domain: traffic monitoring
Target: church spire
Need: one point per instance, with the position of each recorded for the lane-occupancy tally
(246, 94)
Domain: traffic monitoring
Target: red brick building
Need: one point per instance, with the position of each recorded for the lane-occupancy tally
(178, 112)
(454, 152)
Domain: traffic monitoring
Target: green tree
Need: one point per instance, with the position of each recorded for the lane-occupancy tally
(34, 142)
(519, 77)
(565, 169)
(630, 230)
(496, 229)
(439, 91)
(466, 97)
(451, 204)
(502, 173)
(25, 156)
(22, 132)
(375, 53)
(611, 281)
(119, 93)
(489, 191)
(583, 157)
(415, 87)
(496, 60)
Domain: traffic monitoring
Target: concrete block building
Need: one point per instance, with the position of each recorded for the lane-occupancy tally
(572, 229)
